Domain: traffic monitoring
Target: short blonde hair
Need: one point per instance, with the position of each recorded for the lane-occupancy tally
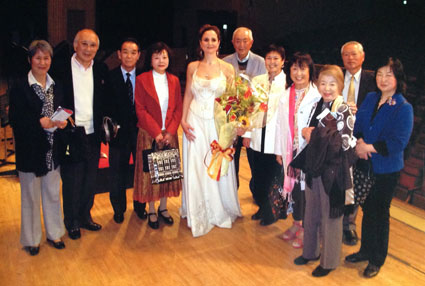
(335, 72)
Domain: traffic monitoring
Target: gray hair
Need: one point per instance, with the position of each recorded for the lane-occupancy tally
(243, 28)
(41, 45)
(77, 36)
(352, 43)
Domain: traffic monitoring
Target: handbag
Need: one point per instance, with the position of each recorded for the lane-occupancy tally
(163, 165)
(278, 204)
(363, 180)
(109, 129)
(75, 141)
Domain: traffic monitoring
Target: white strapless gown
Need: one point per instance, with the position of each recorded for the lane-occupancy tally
(205, 202)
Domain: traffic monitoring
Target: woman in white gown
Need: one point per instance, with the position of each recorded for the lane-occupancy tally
(205, 202)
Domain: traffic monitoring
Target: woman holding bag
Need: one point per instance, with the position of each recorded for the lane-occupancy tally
(159, 110)
(328, 158)
(383, 127)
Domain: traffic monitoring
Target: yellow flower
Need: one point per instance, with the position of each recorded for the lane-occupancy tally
(244, 121)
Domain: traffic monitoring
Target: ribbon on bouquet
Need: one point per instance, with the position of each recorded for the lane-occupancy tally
(218, 154)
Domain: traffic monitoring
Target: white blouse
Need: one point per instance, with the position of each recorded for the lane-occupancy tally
(161, 87)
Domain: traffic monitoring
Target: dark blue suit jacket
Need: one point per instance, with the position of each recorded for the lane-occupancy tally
(120, 107)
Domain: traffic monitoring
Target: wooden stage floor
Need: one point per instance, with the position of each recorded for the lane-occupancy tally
(247, 254)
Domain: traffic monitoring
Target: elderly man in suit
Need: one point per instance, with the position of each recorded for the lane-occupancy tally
(357, 83)
(246, 62)
(123, 79)
(85, 85)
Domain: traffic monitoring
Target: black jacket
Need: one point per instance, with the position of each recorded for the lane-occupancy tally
(31, 144)
(325, 157)
(101, 90)
(120, 108)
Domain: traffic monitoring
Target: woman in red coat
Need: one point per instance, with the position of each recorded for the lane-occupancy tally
(159, 111)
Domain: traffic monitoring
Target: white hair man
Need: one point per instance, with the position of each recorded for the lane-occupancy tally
(244, 61)
(358, 83)
(85, 86)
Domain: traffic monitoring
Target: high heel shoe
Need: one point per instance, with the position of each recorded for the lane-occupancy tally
(167, 219)
(153, 224)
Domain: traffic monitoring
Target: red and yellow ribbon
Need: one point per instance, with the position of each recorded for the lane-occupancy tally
(218, 154)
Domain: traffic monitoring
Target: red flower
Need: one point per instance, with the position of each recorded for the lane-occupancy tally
(248, 93)
(263, 107)
(232, 118)
(231, 99)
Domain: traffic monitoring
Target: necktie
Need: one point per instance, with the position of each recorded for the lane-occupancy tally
(351, 95)
(129, 88)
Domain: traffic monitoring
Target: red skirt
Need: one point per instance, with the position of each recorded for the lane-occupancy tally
(144, 190)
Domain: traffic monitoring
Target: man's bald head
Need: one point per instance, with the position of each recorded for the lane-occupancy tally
(86, 44)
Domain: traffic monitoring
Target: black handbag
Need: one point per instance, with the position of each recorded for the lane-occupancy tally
(363, 180)
(278, 204)
(75, 140)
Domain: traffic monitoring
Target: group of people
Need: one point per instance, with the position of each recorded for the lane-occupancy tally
(316, 132)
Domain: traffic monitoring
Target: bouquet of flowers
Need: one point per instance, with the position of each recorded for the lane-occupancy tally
(240, 108)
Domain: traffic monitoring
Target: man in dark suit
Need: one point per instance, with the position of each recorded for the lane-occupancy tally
(123, 80)
(85, 85)
(357, 83)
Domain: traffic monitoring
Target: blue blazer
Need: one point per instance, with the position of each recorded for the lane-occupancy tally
(392, 124)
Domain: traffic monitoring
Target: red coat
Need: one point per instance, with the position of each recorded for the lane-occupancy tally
(148, 109)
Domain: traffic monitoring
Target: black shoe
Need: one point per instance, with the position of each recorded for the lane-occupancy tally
(140, 210)
(58, 245)
(371, 271)
(142, 214)
(33, 250)
(356, 257)
(320, 271)
(300, 260)
(265, 222)
(257, 215)
(119, 218)
(74, 233)
(167, 219)
(91, 225)
(349, 237)
(153, 224)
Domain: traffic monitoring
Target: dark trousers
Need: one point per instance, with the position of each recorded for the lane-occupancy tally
(376, 218)
(119, 157)
(236, 157)
(298, 207)
(79, 184)
(262, 173)
(350, 215)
